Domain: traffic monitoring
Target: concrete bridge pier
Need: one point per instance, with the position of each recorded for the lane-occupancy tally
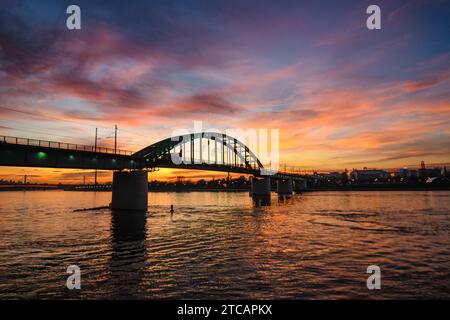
(130, 190)
(260, 190)
(284, 187)
(300, 186)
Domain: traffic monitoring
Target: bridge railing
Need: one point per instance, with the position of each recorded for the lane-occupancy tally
(211, 162)
(61, 145)
(283, 170)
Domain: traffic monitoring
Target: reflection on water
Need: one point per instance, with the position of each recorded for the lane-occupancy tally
(261, 200)
(219, 245)
(127, 263)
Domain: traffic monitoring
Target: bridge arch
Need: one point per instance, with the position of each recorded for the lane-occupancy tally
(188, 151)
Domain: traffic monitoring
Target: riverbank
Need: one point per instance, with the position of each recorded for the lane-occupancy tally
(382, 187)
(27, 187)
(366, 187)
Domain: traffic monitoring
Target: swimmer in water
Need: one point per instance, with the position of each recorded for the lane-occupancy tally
(171, 209)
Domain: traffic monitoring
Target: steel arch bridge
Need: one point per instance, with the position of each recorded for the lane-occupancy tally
(209, 151)
(202, 151)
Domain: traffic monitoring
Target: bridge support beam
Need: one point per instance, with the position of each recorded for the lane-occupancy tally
(260, 190)
(300, 186)
(284, 187)
(130, 190)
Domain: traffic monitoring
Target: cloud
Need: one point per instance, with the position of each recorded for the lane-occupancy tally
(209, 103)
(412, 86)
(338, 94)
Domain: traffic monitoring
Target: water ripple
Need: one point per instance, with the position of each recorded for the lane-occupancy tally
(217, 245)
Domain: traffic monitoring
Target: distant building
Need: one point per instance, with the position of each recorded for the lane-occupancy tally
(413, 174)
(332, 177)
(425, 173)
(369, 176)
(403, 174)
(438, 180)
(429, 173)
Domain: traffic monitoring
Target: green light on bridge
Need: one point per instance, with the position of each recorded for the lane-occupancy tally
(71, 157)
(131, 161)
(41, 155)
(113, 160)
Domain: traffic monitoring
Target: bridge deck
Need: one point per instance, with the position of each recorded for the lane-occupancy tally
(22, 152)
(22, 155)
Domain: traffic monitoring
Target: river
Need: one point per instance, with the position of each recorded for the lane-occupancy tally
(218, 245)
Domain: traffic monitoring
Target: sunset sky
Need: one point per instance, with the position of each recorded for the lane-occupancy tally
(342, 96)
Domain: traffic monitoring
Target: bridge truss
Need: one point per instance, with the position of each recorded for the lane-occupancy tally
(202, 151)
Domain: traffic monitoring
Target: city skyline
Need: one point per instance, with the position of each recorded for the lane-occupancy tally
(341, 95)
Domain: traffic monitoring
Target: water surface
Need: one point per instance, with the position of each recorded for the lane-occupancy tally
(217, 245)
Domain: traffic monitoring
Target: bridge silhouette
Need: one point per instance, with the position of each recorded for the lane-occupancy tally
(223, 153)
